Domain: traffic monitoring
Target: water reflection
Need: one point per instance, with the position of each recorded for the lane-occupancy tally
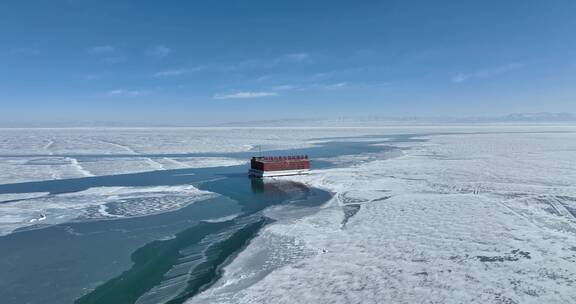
(261, 185)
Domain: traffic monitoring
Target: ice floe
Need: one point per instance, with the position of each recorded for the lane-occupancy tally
(222, 219)
(24, 210)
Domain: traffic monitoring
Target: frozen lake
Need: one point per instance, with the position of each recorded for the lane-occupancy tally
(180, 219)
(452, 214)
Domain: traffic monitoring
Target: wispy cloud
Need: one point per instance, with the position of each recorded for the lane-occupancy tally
(176, 72)
(24, 51)
(269, 63)
(327, 86)
(245, 95)
(114, 59)
(487, 72)
(297, 57)
(90, 77)
(101, 50)
(124, 92)
(286, 87)
(330, 86)
(159, 51)
(310, 86)
(106, 53)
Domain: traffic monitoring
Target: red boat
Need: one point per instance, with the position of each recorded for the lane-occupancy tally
(265, 166)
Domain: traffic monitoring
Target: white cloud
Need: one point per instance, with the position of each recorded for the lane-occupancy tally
(123, 92)
(460, 78)
(107, 53)
(297, 57)
(487, 73)
(338, 85)
(245, 95)
(176, 72)
(169, 73)
(317, 86)
(286, 87)
(101, 49)
(159, 51)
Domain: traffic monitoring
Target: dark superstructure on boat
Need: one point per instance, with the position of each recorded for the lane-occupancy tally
(264, 166)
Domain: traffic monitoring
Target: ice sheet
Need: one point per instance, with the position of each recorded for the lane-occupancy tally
(7, 197)
(23, 169)
(476, 218)
(200, 140)
(64, 147)
(462, 218)
(26, 169)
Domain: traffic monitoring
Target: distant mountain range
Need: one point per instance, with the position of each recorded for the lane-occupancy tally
(546, 117)
(375, 120)
(385, 120)
(82, 124)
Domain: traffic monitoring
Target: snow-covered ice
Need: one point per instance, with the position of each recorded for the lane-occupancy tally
(46, 154)
(462, 218)
(23, 169)
(27, 169)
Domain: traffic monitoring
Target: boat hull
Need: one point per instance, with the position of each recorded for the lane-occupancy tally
(260, 173)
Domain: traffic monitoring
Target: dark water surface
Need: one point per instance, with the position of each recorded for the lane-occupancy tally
(165, 257)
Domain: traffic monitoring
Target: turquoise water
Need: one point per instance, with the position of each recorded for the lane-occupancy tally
(120, 261)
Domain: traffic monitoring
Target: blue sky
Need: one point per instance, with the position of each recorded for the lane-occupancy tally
(197, 62)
